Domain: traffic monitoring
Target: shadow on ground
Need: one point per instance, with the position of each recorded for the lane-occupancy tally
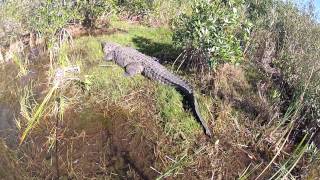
(166, 53)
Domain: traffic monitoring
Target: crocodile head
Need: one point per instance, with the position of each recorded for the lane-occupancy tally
(107, 48)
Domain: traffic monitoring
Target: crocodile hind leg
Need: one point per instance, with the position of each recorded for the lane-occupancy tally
(133, 69)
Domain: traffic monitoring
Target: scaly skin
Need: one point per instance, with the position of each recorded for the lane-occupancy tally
(135, 62)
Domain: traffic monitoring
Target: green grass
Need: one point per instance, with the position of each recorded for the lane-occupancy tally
(106, 86)
(177, 143)
(152, 41)
(63, 59)
(38, 113)
(23, 69)
(108, 81)
(175, 120)
(132, 31)
(160, 35)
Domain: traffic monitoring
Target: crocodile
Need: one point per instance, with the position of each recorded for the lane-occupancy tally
(135, 62)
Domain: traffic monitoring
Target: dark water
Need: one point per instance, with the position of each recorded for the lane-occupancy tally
(8, 128)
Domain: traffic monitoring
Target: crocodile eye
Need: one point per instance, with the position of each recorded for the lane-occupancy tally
(103, 45)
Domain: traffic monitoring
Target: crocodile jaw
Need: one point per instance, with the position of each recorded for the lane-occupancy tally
(108, 48)
(108, 57)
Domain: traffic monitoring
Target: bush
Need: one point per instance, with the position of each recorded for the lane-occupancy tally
(12, 13)
(91, 10)
(215, 31)
(153, 12)
(136, 7)
(298, 54)
(164, 11)
(47, 18)
(295, 37)
(258, 11)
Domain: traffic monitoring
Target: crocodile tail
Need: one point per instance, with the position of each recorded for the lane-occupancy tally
(195, 109)
(187, 91)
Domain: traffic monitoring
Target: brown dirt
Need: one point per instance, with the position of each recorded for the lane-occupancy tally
(8, 164)
(108, 140)
(98, 142)
(126, 141)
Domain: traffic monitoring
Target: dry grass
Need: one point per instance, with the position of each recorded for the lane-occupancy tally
(110, 127)
(9, 164)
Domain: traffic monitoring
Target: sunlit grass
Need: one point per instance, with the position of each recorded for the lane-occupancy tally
(183, 161)
(104, 84)
(110, 82)
(162, 35)
(38, 112)
(175, 120)
(22, 65)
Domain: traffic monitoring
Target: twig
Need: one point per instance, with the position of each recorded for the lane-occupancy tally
(177, 59)
(56, 139)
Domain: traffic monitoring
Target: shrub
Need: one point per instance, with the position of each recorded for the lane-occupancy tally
(298, 36)
(12, 13)
(295, 37)
(258, 11)
(214, 32)
(164, 11)
(91, 10)
(136, 7)
(48, 17)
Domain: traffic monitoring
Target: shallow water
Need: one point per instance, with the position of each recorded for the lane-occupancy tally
(8, 129)
(11, 90)
(8, 103)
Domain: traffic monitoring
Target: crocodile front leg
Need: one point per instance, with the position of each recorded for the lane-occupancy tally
(133, 69)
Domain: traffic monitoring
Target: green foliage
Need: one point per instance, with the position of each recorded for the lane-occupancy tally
(214, 30)
(164, 11)
(91, 10)
(258, 10)
(153, 12)
(49, 17)
(12, 13)
(136, 7)
(298, 39)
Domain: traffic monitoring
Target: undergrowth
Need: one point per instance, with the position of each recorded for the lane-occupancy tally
(109, 81)
(121, 124)
(107, 86)
(175, 121)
